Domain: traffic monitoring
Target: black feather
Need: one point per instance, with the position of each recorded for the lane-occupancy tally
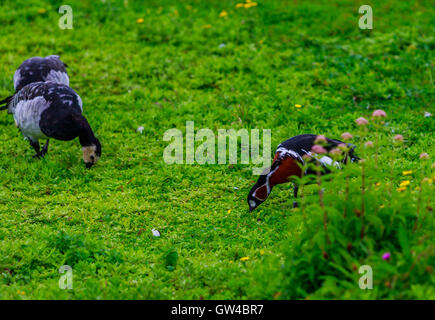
(36, 69)
(6, 102)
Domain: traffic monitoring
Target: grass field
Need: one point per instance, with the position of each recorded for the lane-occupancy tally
(158, 64)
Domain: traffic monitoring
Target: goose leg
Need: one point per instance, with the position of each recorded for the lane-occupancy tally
(35, 145)
(295, 194)
(45, 148)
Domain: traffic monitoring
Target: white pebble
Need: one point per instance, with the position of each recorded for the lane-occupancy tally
(156, 233)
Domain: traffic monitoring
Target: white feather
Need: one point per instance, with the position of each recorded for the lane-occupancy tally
(293, 154)
(27, 114)
(58, 77)
(327, 161)
(156, 233)
(17, 78)
(80, 102)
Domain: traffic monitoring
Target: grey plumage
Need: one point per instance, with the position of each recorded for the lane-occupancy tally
(35, 69)
(31, 101)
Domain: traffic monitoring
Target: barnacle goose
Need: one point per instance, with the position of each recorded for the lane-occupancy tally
(36, 69)
(287, 164)
(44, 110)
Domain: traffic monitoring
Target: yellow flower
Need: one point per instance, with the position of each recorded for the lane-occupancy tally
(42, 10)
(140, 20)
(231, 261)
(250, 4)
(401, 189)
(261, 251)
(176, 12)
(381, 206)
(404, 183)
(239, 5)
(248, 1)
(223, 14)
(229, 211)
(298, 106)
(261, 41)
(244, 259)
(207, 26)
(378, 184)
(405, 173)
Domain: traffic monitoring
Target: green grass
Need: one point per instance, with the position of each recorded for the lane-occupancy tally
(171, 69)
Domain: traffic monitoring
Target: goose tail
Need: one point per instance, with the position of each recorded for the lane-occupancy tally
(4, 103)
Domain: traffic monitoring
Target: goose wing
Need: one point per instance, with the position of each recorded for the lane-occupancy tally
(37, 69)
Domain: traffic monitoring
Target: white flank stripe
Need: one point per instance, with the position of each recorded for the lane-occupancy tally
(328, 161)
(293, 154)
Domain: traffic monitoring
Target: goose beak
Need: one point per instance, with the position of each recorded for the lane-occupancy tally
(89, 165)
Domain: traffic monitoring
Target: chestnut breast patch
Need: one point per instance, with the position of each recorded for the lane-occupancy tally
(287, 168)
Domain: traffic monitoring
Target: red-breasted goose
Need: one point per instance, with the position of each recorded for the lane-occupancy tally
(289, 157)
